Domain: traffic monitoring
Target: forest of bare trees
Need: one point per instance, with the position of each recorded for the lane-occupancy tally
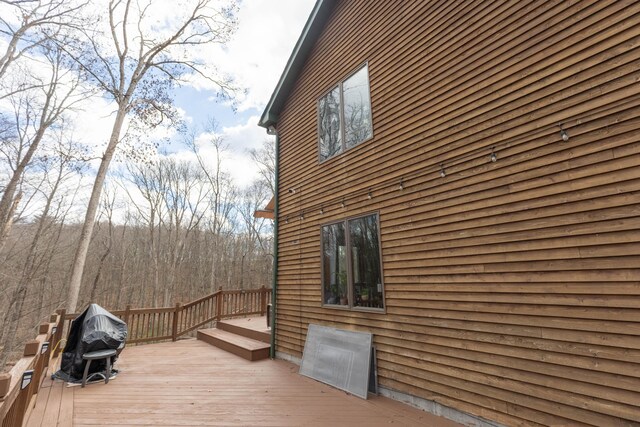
(117, 223)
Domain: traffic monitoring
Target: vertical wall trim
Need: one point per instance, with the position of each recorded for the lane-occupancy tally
(274, 286)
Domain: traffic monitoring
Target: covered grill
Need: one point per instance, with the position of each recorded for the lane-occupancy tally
(95, 329)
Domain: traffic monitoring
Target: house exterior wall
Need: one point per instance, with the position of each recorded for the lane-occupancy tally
(512, 288)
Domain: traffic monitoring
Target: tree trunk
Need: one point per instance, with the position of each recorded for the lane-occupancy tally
(4, 231)
(92, 208)
(96, 279)
(11, 319)
(7, 203)
(13, 315)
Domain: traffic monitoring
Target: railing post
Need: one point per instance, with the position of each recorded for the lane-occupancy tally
(126, 316)
(127, 313)
(219, 304)
(5, 382)
(263, 300)
(60, 331)
(23, 399)
(174, 328)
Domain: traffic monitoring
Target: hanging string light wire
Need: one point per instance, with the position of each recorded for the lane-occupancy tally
(436, 167)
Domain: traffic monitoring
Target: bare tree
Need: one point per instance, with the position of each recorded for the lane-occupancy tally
(253, 198)
(185, 205)
(138, 70)
(149, 181)
(56, 170)
(35, 112)
(108, 208)
(27, 25)
(265, 159)
(223, 193)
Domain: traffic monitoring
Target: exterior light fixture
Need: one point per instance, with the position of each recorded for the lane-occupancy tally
(563, 133)
(494, 156)
(401, 184)
(443, 173)
(369, 195)
(302, 215)
(342, 204)
(321, 210)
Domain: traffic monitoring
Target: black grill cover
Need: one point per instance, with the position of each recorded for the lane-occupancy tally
(95, 329)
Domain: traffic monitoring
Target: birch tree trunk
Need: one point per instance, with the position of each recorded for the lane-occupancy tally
(92, 208)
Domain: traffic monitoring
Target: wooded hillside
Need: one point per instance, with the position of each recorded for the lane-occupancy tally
(133, 263)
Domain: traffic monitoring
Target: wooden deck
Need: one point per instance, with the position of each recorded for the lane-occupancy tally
(190, 383)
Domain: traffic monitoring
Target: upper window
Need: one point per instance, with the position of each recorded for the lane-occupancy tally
(344, 115)
(351, 270)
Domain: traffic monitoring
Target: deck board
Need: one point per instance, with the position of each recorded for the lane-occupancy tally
(190, 383)
(52, 410)
(37, 413)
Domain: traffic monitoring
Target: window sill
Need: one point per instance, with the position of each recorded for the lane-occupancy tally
(355, 309)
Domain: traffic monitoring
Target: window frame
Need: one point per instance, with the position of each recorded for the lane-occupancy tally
(343, 141)
(350, 284)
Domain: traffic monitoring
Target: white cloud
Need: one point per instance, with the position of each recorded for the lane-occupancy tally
(260, 48)
(246, 136)
(238, 140)
(94, 121)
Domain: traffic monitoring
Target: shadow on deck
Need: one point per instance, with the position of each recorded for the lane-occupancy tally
(189, 382)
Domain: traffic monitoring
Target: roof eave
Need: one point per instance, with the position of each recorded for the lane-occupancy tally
(313, 27)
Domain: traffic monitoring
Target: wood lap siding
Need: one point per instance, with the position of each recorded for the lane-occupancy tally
(512, 288)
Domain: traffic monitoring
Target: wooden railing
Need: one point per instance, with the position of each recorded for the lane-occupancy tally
(18, 388)
(169, 323)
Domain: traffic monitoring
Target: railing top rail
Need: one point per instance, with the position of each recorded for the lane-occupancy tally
(247, 291)
(203, 299)
(184, 318)
(147, 310)
(186, 305)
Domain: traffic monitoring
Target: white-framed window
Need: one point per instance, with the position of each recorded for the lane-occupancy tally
(344, 115)
(351, 266)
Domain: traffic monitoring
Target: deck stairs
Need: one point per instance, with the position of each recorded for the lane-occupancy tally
(248, 338)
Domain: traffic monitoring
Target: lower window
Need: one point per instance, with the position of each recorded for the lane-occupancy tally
(351, 268)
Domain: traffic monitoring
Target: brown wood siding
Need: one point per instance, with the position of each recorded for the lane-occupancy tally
(512, 288)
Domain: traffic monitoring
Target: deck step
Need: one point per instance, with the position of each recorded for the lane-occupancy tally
(244, 347)
(251, 328)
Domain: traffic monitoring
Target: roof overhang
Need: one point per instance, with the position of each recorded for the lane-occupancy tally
(312, 29)
(267, 212)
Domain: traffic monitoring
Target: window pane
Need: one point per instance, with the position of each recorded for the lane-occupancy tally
(365, 258)
(357, 108)
(329, 124)
(334, 264)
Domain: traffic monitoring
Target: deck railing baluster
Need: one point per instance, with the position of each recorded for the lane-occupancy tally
(164, 323)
